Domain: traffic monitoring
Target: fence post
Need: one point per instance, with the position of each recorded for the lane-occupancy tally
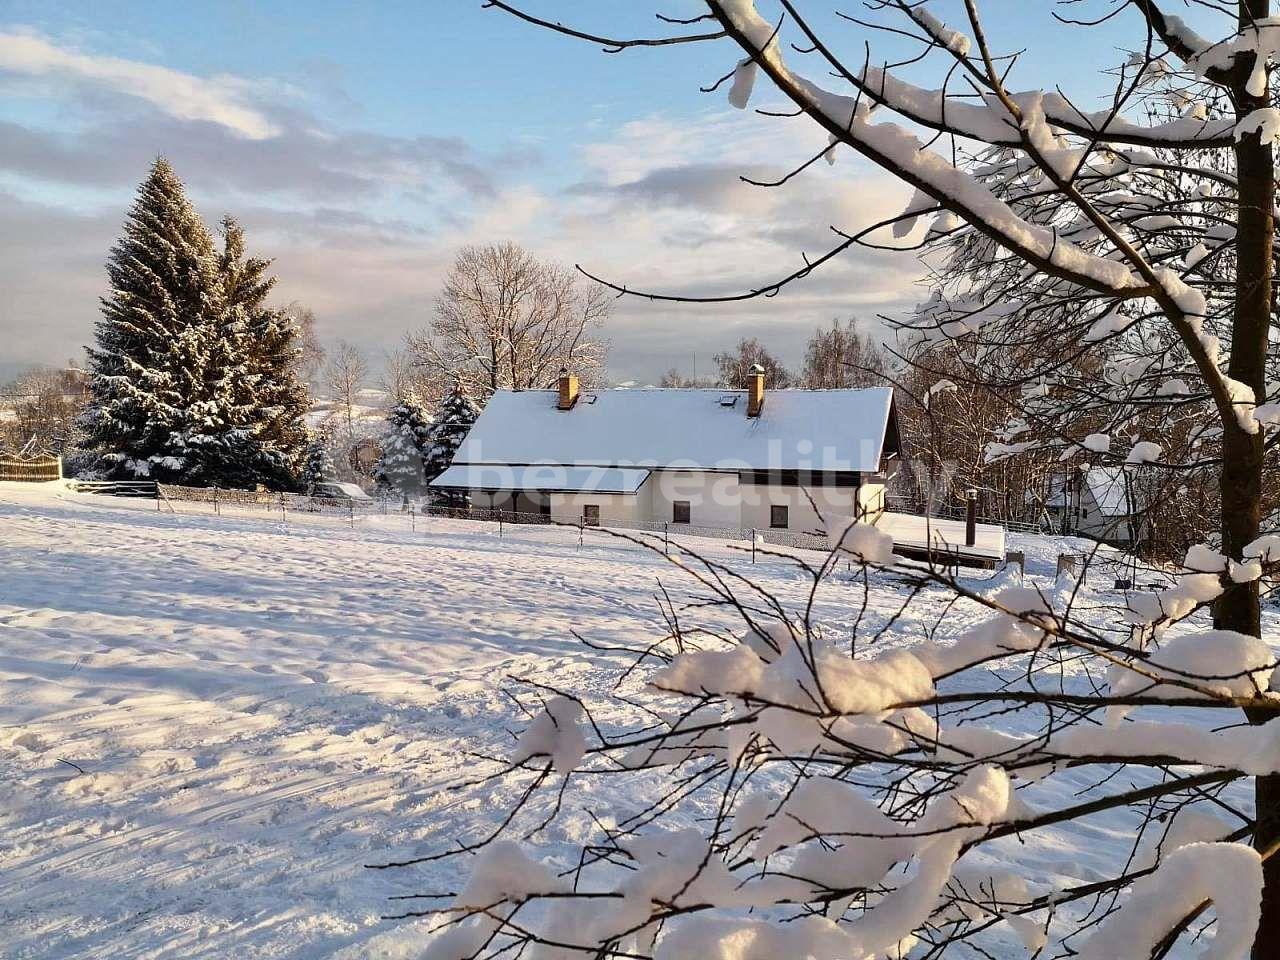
(753, 544)
(1066, 564)
(1019, 557)
(351, 509)
(579, 534)
(666, 539)
(499, 525)
(283, 518)
(215, 500)
(413, 524)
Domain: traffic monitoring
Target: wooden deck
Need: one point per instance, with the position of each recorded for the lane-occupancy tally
(939, 539)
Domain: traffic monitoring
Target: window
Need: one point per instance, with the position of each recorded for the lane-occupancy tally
(680, 511)
(778, 517)
(591, 514)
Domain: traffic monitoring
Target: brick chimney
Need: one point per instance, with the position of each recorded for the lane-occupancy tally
(755, 391)
(568, 390)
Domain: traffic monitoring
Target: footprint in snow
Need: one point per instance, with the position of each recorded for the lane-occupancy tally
(31, 741)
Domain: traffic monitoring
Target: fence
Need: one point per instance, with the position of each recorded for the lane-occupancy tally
(31, 469)
(116, 488)
(302, 508)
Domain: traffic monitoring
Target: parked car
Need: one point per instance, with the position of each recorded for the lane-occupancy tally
(345, 492)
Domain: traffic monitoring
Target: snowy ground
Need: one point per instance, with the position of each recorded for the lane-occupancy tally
(208, 725)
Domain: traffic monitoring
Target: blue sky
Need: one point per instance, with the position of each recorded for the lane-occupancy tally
(362, 143)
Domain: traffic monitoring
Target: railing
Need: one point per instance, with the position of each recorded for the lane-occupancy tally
(901, 504)
(30, 469)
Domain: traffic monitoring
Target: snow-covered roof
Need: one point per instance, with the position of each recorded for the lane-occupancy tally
(1109, 490)
(548, 478)
(352, 490)
(696, 429)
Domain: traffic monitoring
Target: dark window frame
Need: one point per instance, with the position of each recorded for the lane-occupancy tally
(681, 506)
(773, 516)
(591, 514)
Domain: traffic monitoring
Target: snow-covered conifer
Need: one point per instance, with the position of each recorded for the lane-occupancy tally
(454, 418)
(261, 346)
(401, 469)
(317, 466)
(192, 374)
(150, 404)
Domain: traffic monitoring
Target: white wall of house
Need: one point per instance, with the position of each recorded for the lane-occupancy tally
(758, 499)
(871, 498)
(1092, 522)
(616, 507)
(714, 498)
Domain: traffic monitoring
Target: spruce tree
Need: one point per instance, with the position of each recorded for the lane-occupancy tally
(192, 375)
(149, 407)
(401, 469)
(268, 435)
(453, 421)
(317, 465)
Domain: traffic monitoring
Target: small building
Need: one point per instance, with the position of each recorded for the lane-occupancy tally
(736, 459)
(1102, 503)
(363, 455)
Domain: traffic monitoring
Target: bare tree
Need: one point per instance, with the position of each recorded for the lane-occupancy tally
(674, 378)
(401, 378)
(345, 375)
(842, 357)
(735, 366)
(45, 404)
(508, 321)
(1051, 250)
(311, 354)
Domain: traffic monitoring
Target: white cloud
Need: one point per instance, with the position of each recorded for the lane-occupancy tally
(657, 205)
(223, 100)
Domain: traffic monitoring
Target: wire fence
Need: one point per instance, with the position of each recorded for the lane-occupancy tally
(300, 508)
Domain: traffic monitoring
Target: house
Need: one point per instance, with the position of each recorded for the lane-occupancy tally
(1102, 503)
(363, 454)
(736, 459)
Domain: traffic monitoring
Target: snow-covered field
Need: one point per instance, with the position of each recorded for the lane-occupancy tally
(208, 725)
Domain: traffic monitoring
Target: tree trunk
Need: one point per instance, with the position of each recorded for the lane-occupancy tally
(1241, 482)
